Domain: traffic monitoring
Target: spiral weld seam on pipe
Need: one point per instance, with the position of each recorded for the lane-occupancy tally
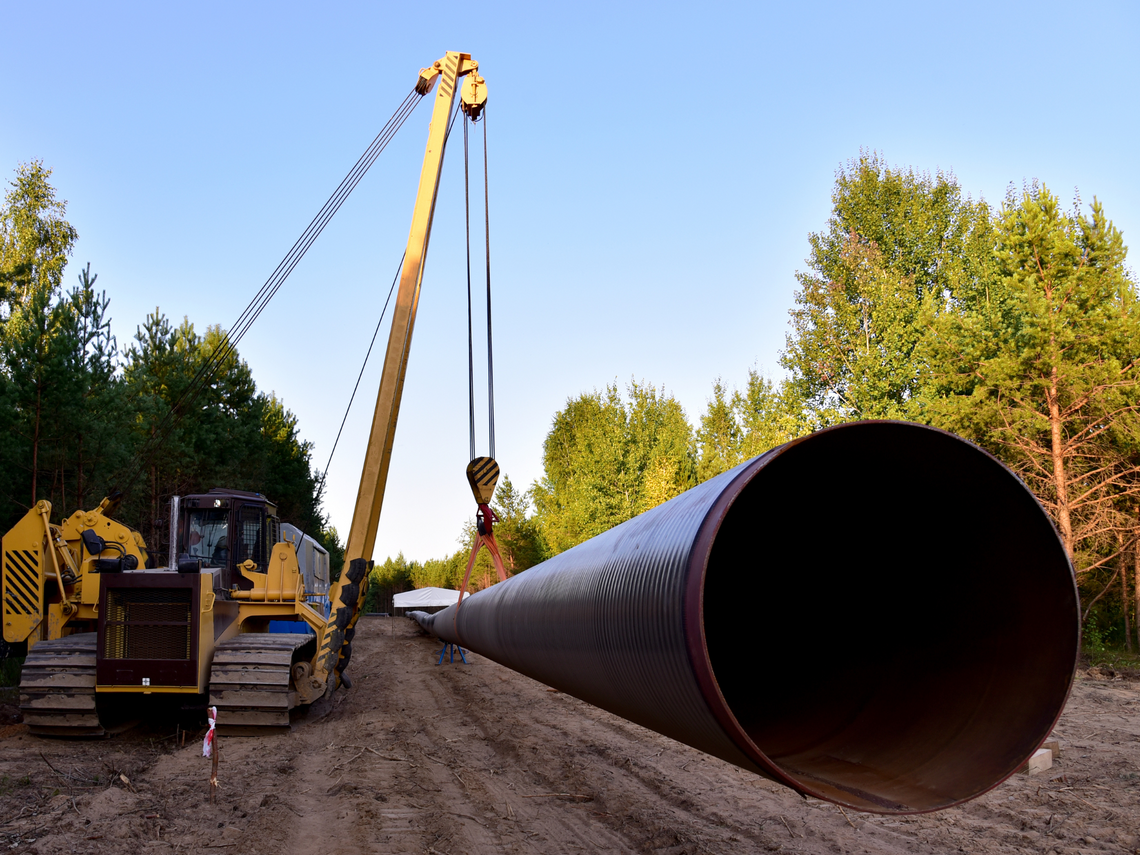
(880, 615)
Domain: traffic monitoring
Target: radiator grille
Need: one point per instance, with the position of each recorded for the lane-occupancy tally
(148, 624)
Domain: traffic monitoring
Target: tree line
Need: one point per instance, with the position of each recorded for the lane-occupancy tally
(77, 410)
(1015, 326)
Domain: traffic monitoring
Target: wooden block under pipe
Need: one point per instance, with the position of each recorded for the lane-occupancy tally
(1041, 760)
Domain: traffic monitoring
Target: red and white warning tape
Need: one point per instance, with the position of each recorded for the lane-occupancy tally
(208, 742)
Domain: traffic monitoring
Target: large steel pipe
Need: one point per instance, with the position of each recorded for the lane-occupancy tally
(879, 614)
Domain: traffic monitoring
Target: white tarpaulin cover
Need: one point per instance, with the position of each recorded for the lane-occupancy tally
(421, 597)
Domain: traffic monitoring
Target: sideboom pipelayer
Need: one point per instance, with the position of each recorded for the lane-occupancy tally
(103, 626)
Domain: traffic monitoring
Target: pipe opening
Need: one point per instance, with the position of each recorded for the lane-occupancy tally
(890, 617)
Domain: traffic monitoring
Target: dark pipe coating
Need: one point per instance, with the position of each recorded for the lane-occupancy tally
(879, 614)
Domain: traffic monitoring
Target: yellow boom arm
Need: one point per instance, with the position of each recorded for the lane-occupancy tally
(346, 594)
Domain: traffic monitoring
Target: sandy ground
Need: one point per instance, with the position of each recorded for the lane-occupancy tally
(420, 758)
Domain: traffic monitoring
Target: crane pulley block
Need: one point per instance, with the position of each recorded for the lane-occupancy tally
(483, 476)
(473, 96)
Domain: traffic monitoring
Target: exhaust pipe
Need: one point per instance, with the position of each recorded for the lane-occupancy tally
(880, 615)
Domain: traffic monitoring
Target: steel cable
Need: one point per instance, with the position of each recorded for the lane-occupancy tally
(470, 333)
(216, 359)
(213, 364)
(321, 486)
(490, 349)
(399, 270)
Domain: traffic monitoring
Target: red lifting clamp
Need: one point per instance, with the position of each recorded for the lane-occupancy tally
(482, 475)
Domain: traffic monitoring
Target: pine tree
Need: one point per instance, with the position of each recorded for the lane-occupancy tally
(1043, 369)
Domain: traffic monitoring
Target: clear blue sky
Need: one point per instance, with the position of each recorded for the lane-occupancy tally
(655, 171)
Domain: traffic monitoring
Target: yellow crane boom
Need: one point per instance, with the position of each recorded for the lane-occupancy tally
(345, 596)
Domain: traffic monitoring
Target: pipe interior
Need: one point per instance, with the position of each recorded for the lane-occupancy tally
(890, 617)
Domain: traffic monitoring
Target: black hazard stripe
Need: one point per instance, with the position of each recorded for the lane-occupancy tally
(486, 472)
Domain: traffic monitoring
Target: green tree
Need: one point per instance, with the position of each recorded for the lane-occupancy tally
(160, 366)
(39, 351)
(283, 466)
(516, 532)
(98, 422)
(386, 580)
(440, 572)
(1043, 369)
(85, 436)
(72, 424)
(228, 434)
(37, 335)
(749, 422)
(606, 460)
(35, 239)
(897, 246)
(719, 436)
(768, 415)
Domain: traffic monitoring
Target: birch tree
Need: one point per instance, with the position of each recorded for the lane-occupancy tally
(898, 245)
(606, 460)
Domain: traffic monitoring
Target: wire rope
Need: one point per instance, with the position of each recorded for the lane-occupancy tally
(352, 397)
(490, 349)
(218, 357)
(470, 332)
(399, 270)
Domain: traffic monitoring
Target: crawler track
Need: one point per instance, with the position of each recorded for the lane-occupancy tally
(57, 687)
(250, 681)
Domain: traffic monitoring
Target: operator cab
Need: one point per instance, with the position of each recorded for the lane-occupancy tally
(223, 528)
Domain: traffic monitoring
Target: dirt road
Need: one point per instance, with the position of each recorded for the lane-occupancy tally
(420, 758)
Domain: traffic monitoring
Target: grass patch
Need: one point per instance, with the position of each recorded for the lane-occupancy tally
(1118, 659)
(1105, 647)
(1099, 650)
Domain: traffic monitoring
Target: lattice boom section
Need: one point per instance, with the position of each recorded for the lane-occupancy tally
(148, 624)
